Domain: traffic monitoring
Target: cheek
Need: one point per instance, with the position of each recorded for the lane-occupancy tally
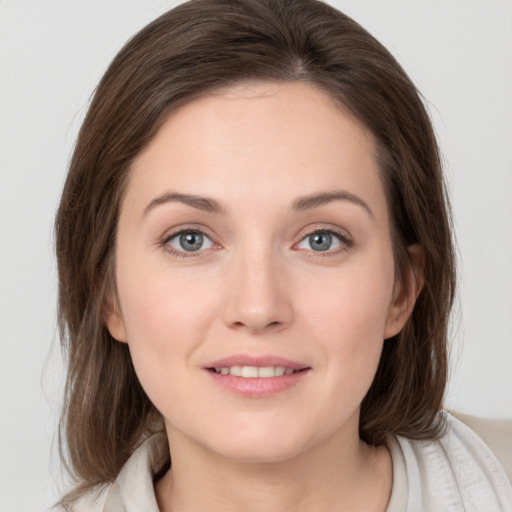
(166, 318)
(164, 323)
(349, 320)
(355, 300)
(159, 300)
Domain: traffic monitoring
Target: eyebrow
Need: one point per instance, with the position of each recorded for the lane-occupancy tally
(299, 205)
(315, 200)
(200, 203)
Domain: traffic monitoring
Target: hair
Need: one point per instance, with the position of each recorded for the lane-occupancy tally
(194, 49)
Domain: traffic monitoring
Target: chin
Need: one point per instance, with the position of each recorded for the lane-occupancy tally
(260, 446)
(261, 453)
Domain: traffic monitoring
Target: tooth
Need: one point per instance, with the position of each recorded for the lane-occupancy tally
(279, 370)
(224, 370)
(236, 371)
(266, 371)
(288, 371)
(249, 371)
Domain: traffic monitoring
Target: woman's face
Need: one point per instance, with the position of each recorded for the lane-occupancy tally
(254, 240)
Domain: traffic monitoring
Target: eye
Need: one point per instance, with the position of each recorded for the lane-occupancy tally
(189, 241)
(323, 241)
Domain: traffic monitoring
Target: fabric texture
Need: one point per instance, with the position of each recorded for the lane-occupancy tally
(457, 473)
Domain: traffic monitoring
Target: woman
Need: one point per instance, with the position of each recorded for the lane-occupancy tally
(256, 272)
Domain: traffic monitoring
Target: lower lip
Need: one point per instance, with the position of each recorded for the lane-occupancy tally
(257, 387)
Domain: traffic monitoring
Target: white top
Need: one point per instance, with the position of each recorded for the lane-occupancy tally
(457, 473)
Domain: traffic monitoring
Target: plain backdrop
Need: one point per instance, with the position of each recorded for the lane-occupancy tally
(52, 54)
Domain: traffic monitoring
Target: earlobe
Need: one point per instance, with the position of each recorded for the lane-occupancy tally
(114, 320)
(406, 292)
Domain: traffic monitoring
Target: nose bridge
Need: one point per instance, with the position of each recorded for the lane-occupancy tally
(256, 291)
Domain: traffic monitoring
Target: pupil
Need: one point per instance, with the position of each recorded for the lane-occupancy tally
(321, 241)
(191, 241)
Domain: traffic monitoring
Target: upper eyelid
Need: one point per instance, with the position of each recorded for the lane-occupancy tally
(340, 236)
(172, 233)
(325, 228)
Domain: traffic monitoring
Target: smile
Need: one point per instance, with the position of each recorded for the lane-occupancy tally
(252, 372)
(257, 376)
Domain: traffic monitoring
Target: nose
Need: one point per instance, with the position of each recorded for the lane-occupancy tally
(257, 297)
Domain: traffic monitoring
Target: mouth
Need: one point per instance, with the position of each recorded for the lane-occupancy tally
(253, 376)
(254, 372)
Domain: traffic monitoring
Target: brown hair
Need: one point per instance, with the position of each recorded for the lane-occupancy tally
(195, 48)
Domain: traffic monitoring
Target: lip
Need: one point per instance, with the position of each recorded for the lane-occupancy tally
(257, 387)
(256, 360)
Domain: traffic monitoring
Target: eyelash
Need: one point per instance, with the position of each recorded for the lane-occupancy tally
(183, 231)
(345, 240)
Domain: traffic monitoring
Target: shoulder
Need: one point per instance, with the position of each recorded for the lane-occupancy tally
(496, 434)
(459, 468)
(134, 484)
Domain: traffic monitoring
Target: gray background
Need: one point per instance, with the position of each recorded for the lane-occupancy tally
(52, 53)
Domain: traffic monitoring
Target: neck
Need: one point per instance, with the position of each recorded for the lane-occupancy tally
(342, 473)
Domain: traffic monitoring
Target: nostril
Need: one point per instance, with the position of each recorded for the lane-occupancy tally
(269, 325)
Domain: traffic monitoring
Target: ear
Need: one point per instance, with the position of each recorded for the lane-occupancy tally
(114, 320)
(406, 292)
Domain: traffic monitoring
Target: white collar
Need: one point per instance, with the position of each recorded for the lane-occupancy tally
(455, 473)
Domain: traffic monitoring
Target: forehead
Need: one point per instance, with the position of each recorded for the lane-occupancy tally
(274, 140)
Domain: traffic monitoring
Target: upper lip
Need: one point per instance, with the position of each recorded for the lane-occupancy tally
(256, 360)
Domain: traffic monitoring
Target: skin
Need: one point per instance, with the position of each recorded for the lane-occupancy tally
(258, 288)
